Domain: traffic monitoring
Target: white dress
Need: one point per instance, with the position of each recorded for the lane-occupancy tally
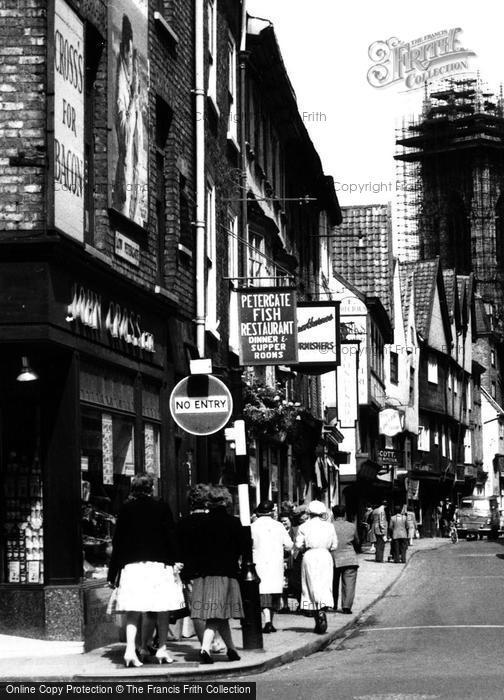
(270, 538)
(317, 537)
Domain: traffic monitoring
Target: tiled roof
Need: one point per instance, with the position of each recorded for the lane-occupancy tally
(482, 323)
(425, 276)
(449, 283)
(362, 250)
(406, 271)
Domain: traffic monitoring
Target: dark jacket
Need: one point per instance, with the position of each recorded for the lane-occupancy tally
(144, 532)
(211, 545)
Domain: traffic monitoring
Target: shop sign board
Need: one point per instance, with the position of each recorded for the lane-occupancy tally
(66, 149)
(120, 323)
(390, 421)
(388, 458)
(268, 326)
(127, 249)
(412, 488)
(318, 327)
(201, 404)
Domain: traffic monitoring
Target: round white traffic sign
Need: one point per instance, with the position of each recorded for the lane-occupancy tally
(201, 404)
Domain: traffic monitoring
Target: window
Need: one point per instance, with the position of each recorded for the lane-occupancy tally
(212, 50)
(449, 443)
(455, 384)
(233, 272)
(435, 435)
(494, 391)
(492, 358)
(258, 268)
(469, 395)
(449, 380)
(443, 437)
(107, 465)
(432, 369)
(211, 252)
(468, 447)
(232, 132)
(394, 368)
(424, 438)
(411, 386)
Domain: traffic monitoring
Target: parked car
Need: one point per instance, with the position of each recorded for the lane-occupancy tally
(478, 516)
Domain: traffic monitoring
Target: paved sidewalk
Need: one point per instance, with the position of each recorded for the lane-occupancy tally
(294, 640)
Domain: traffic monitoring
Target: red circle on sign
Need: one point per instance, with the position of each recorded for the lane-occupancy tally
(201, 404)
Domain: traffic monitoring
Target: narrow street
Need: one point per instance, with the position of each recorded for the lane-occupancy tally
(438, 633)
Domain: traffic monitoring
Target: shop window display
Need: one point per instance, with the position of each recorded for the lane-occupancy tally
(23, 520)
(107, 465)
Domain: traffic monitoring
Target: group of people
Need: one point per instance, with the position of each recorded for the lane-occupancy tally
(326, 552)
(400, 529)
(160, 570)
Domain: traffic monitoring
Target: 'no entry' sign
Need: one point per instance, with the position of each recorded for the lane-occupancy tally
(201, 404)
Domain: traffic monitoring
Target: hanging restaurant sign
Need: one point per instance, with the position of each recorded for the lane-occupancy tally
(268, 326)
(318, 333)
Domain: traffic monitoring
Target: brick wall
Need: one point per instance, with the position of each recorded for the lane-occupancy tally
(22, 115)
(23, 57)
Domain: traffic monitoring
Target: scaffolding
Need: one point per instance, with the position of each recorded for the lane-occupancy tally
(450, 175)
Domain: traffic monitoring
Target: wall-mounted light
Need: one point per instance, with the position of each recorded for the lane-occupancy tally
(26, 374)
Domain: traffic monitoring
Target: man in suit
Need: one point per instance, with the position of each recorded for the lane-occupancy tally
(399, 534)
(379, 527)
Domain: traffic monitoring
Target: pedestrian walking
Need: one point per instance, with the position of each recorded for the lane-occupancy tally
(270, 540)
(379, 528)
(301, 516)
(317, 538)
(398, 529)
(142, 566)
(285, 519)
(346, 562)
(218, 542)
(411, 524)
(197, 498)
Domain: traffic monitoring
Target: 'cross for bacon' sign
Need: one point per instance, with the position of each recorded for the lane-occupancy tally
(268, 326)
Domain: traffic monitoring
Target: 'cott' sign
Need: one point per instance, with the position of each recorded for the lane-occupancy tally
(201, 404)
(268, 326)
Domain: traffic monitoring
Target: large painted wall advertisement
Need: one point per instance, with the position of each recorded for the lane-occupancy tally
(66, 74)
(128, 108)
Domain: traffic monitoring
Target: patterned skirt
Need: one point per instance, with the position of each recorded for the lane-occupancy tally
(149, 586)
(216, 598)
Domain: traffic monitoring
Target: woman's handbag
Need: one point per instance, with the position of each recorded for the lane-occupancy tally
(112, 604)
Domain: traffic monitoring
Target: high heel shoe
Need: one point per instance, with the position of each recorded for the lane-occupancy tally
(205, 658)
(132, 661)
(233, 655)
(163, 657)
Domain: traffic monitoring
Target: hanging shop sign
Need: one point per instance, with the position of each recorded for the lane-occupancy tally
(268, 326)
(412, 489)
(119, 323)
(66, 78)
(201, 404)
(127, 249)
(318, 327)
(391, 422)
(388, 458)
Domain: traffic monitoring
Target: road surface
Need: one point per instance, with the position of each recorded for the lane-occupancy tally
(438, 633)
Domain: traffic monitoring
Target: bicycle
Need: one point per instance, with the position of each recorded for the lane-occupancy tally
(453, 533)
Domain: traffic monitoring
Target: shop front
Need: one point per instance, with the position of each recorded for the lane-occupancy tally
(83, 390)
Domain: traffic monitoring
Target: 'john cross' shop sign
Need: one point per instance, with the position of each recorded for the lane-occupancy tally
(268, 326)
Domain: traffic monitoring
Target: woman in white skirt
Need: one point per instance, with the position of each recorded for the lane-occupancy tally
(143, 555)
(316, 538)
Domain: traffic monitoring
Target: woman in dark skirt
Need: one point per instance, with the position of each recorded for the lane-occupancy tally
(213, 557)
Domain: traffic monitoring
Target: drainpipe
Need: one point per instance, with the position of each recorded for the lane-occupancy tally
(199, 116)
(243, 58)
